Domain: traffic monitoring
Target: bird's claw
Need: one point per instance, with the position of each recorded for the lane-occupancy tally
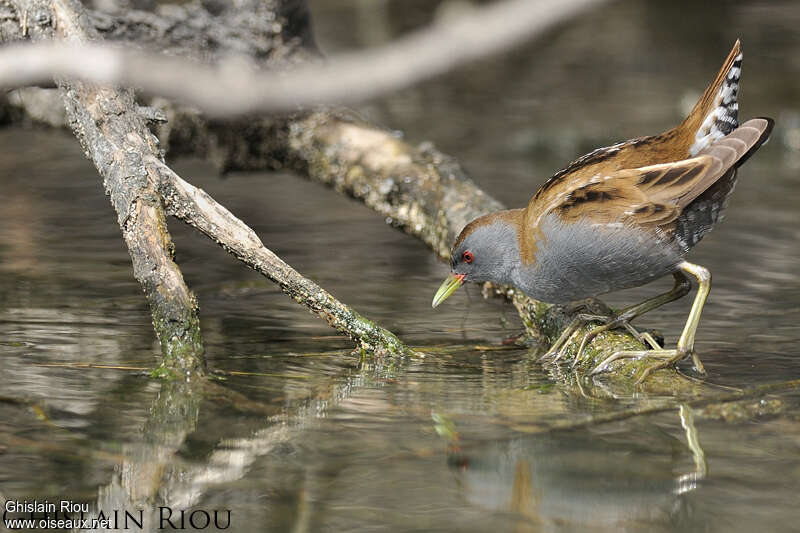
(670, 358)
(559, 348)
(611, 323)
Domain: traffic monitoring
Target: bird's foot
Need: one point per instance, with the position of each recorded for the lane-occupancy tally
(670, 358)
(559, 348)
(614, 322)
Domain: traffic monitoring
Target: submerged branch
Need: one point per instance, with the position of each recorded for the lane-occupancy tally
(713, 407)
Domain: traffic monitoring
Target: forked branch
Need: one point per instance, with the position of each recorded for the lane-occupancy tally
(195, 207)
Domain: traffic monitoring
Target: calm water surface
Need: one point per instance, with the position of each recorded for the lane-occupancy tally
(310, 439)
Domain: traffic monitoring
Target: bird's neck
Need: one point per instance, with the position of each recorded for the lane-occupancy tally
(526, 236)
(506, 229)
(523, 249)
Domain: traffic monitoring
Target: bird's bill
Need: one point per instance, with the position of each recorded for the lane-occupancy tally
(449, 286)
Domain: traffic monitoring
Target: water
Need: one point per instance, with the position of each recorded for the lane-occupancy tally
(311, 439)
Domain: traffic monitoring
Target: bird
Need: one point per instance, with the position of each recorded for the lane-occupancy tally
(619, 217)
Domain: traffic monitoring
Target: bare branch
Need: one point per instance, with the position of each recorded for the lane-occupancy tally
(236, 87)
(115, 138)
(422, 191)
(419, 189)
(195, 207)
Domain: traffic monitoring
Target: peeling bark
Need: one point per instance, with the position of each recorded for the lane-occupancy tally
(419, 190)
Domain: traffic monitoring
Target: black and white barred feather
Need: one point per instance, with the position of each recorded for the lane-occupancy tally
(723, 116)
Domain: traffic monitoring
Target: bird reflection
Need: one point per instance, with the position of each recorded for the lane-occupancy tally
(601, 478)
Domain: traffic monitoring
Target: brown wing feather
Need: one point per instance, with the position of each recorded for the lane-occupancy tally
(652, 195)
(676, 183)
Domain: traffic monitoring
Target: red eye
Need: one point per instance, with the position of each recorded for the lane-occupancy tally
(467, 256)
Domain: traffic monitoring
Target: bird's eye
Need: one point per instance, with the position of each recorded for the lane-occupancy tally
(467, 257)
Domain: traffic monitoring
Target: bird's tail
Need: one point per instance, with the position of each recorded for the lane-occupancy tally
(716, 113)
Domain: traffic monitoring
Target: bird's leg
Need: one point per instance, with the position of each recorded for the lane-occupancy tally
(624, 317)
(685, 345)
(679, 290)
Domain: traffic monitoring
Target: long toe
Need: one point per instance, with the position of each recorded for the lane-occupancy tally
(631, 354)
(587, 339)
(698, 364)
(668, 358)
(609, 325)
(651, 341)
(564, 347)
(671, 358)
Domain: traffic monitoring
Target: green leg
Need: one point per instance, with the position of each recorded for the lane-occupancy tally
(679, 290)
(686, 342)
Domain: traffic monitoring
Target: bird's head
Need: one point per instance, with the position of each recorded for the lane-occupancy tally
(486, 250)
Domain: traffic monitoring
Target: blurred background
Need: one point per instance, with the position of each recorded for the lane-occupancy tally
(353, 447)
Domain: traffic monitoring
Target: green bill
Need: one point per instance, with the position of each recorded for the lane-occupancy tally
(448, 287)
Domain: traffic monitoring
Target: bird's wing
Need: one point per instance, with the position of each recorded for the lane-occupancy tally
(652, 195)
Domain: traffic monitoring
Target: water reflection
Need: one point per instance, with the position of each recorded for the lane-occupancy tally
(309, 438)
(606, 477)
(555, 481)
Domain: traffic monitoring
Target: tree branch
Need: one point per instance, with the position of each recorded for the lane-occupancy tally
(112, 131)
(115, 138)
(235, 86)
(419, 189)
(195, 207)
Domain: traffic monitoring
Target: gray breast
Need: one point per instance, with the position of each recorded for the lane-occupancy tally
(578, 260)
